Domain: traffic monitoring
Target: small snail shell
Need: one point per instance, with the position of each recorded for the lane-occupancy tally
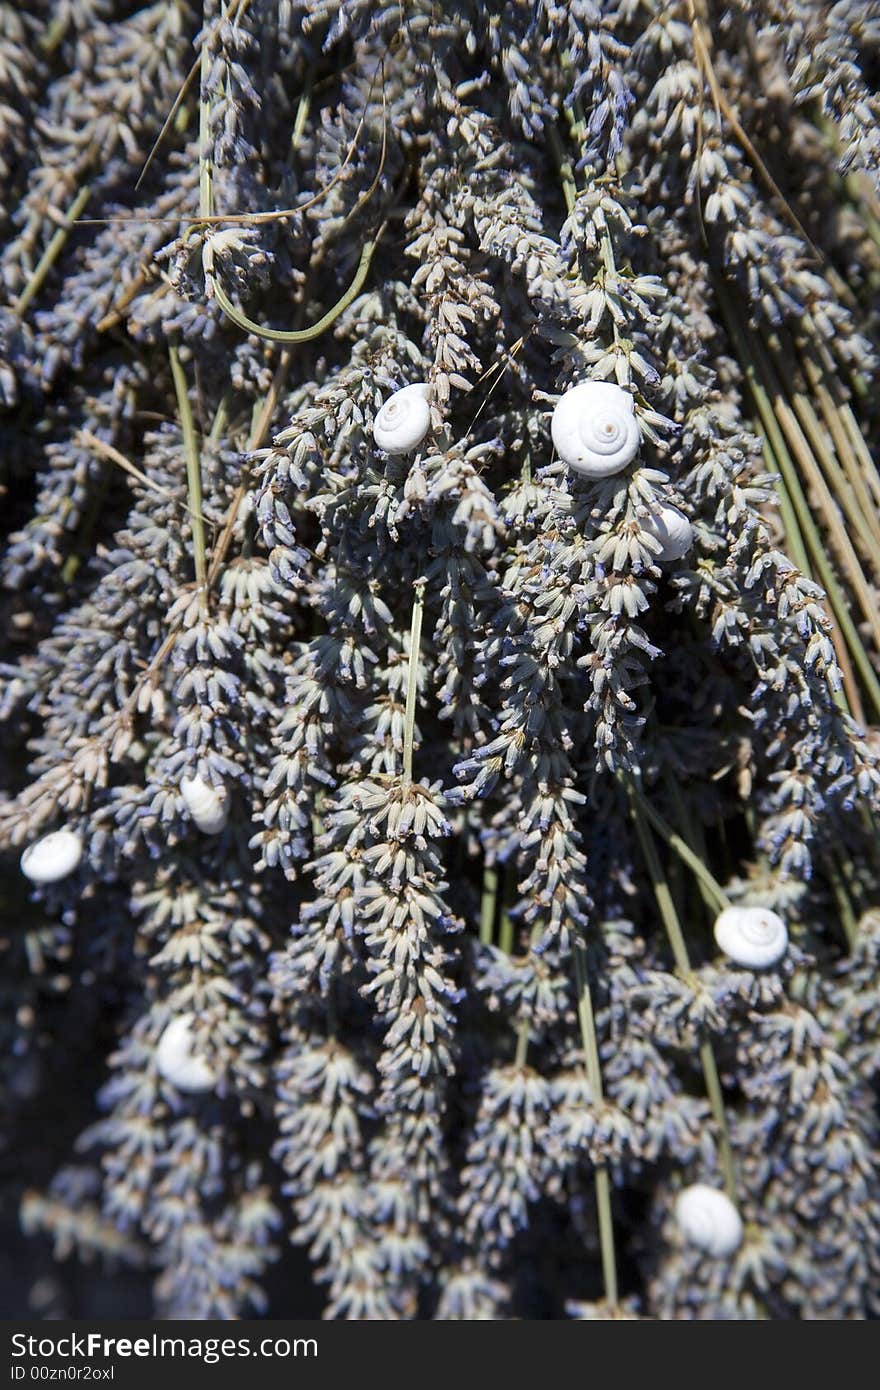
(594, 428)
(206, 806)
(53, 857)
(672, 529)
(708, 1219)
(753, 937)
(404, 419)
(177, 1061)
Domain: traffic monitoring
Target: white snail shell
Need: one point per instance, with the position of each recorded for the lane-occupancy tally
(404, 419)
(708, 1219)
(207, 807)
(672, 529)
(53, 857)
(753, 937)
(594, 428)
(177, 1061)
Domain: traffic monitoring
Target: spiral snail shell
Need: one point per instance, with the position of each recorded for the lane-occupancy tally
(178, 1062)
(753, 937)
(404, 419)
(53, 857)
(708, 1220)
(594, 428)
(672, 529)
(208, 809)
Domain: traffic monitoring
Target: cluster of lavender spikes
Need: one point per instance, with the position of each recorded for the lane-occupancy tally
(391, 796)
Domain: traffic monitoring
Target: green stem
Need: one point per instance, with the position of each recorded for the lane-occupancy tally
(206, 169)
(86, 530)
(786, 466)
(828, 579)
(860, 449)
(662, 893)
(522, 1034)
(296, 335)
(193, 478)
(593, 1068)
(850, 879)
(606, 1235)
(706, 879)
(586, 1018)
(302, 115)
(805, 456)
(683, 966)
(692, 833)
(844, 907)
(848, 698)
(563, 164)
(505, 931)
(221, 415)
(794, 541)
(412, 681)
(716, 1101)
(832, 449)
(52, 252)
(487, 903)
(848, 892)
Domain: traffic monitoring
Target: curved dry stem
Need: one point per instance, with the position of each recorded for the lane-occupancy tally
(297, 335)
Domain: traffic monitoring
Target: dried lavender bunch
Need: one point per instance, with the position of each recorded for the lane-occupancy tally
(439, 588)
